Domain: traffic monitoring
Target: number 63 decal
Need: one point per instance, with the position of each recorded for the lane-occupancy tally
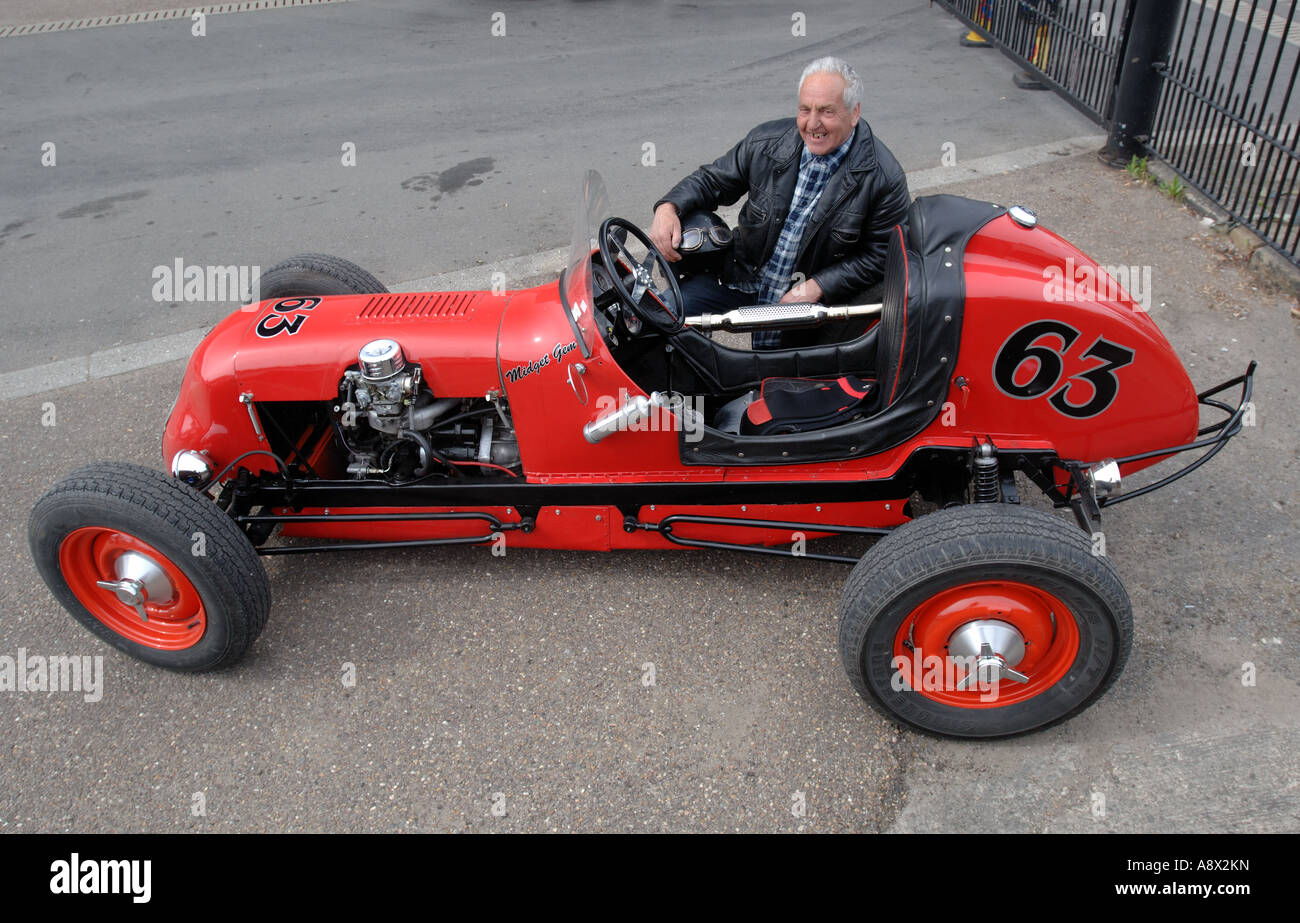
(1022, 347)
(286, 318)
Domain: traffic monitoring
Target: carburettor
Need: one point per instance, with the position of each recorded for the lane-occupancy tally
(382, 389)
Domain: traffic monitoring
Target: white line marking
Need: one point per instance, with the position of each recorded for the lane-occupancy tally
(128, 19)
(134, 356)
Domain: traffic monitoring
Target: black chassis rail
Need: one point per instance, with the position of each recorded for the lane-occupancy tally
(938, 473)
(933, 471)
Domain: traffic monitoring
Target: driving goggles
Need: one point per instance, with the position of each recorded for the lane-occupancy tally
(693, 238)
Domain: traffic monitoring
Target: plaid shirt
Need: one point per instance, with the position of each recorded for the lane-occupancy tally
(777, 274)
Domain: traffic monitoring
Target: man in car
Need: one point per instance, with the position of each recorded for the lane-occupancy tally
(824, 193)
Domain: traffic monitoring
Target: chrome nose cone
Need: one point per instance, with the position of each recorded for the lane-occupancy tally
(993, 647)
(139, 580)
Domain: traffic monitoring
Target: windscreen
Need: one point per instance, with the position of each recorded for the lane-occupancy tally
(576, 284)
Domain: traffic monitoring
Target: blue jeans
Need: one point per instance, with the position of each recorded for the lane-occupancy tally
(706, 295)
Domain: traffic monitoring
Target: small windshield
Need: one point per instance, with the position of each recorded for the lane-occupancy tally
(576, 284)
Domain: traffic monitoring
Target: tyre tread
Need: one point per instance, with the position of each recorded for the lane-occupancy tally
(356, 279)
(178, 506)
(937, 542)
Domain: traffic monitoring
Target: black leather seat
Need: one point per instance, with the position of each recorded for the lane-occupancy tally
(724, 369)
(911, 352)
(896, 351)
(796, 405)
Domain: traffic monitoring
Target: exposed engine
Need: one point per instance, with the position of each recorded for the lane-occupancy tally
(394, 427)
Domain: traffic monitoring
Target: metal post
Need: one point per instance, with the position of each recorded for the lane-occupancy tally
(1148, 37)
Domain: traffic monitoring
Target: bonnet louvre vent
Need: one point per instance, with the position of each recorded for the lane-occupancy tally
(429, 304)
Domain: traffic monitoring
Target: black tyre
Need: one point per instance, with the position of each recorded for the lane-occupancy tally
(317, 274)
(190, 592)
(984, 621)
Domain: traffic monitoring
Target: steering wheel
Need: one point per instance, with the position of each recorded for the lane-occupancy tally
(664, 312)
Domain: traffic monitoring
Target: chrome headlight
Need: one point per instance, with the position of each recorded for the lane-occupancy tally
(192, 468)
(1104, 476)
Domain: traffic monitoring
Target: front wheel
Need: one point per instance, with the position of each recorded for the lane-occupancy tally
(984, 621)
(151, 566)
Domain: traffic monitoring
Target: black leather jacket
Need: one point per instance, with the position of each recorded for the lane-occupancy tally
(843, 247)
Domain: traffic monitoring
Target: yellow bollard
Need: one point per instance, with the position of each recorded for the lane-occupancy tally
(1037, 57)
(983, 18)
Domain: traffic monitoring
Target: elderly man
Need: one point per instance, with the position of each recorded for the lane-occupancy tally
(823, 196)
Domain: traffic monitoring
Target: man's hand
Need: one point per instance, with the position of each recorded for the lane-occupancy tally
(666, 231)
(808, 291)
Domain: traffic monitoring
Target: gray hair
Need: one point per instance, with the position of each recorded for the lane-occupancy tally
(832, 65)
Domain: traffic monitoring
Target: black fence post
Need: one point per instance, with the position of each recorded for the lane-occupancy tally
(1148, 37)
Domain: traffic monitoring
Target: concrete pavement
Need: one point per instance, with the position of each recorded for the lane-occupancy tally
(228, 149)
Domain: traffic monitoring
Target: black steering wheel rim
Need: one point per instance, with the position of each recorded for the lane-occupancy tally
(666, 320)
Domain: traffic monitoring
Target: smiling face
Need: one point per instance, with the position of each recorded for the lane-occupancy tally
(824, 121)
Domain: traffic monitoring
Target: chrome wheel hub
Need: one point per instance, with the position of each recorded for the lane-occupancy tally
(139, 580)
(993, 646)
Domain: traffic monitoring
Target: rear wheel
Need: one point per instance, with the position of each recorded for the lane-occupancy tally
(984, 621)
(317, 274)
(151, 566)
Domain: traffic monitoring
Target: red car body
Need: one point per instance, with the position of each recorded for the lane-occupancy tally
(466, 342)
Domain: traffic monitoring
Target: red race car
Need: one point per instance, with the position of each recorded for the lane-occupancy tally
(592, 414)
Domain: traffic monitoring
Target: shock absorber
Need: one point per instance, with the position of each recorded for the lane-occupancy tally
(985, 481)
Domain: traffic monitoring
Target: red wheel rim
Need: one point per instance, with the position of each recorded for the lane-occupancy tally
(1046, 624)
(90, 554)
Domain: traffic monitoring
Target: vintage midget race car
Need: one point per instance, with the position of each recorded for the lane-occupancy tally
(592, 414)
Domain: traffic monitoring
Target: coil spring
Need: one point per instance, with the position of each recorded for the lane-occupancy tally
(986, 479)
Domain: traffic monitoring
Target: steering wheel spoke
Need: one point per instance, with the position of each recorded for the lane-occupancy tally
(639, 289)
(632, 262)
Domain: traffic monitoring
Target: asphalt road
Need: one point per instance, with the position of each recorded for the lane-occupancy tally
(227, 149)
(516, 682)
